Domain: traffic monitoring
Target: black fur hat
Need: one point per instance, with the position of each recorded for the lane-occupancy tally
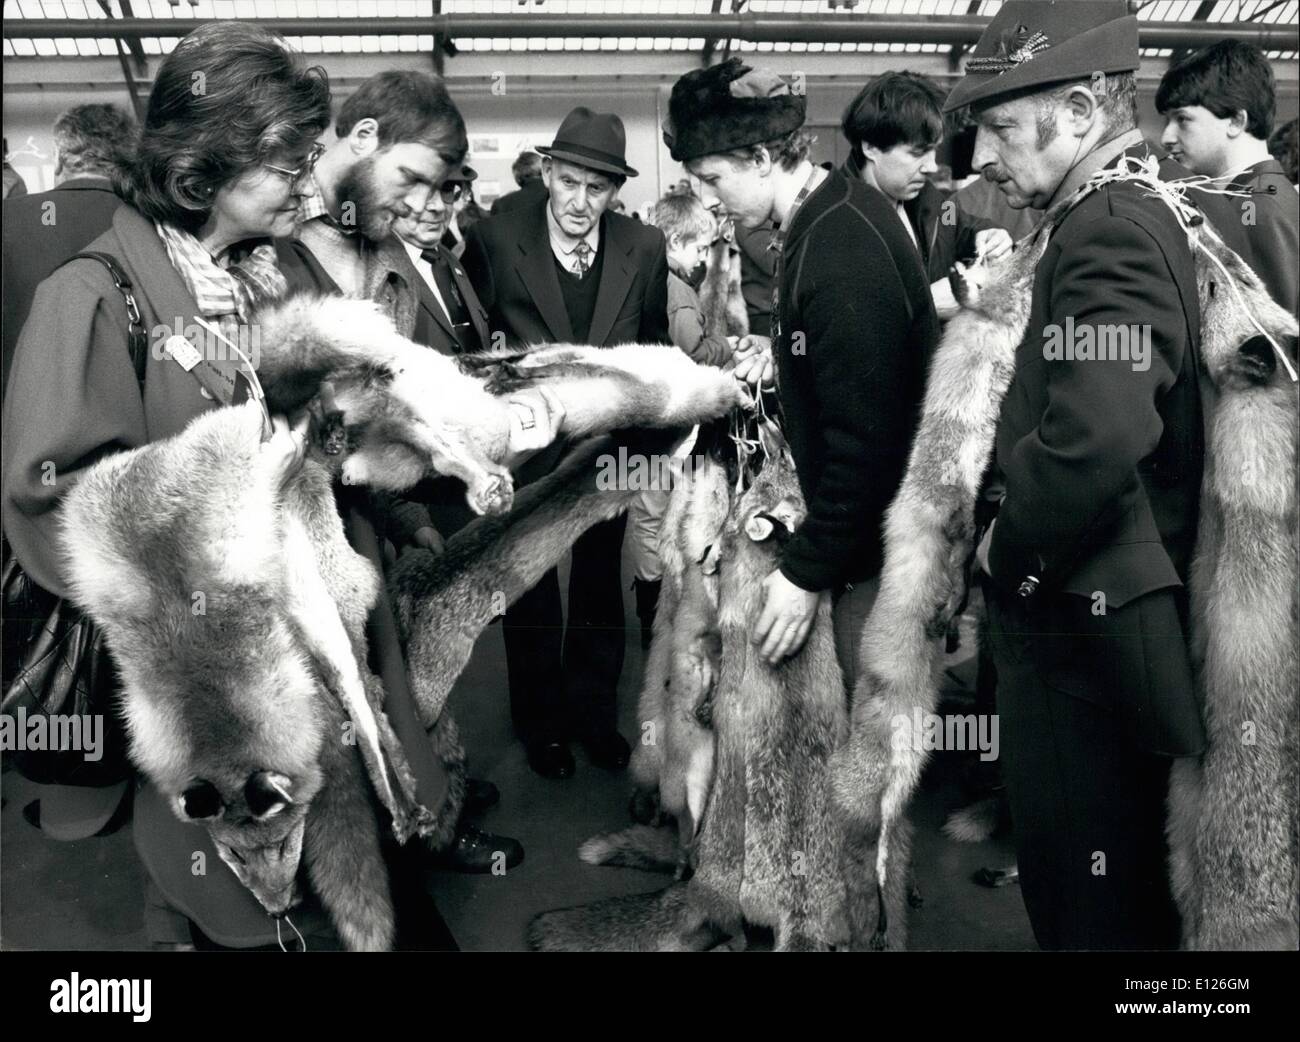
(729, 106)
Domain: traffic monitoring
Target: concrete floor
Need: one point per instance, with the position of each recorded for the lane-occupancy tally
(89, 894)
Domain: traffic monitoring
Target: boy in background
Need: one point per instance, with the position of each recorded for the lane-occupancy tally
(689, 229)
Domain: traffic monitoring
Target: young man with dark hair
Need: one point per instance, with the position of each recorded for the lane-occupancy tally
(567, 269)
(852, 326)
(894, 126)
(1218, 104)
(398, 135)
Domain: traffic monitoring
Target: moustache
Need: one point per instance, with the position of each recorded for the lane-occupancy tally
(995, 175)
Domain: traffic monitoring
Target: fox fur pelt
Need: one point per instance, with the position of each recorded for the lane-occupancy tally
(391, 412)
(1233, 816)
(768, 848)
(722, 304)
(236, 608)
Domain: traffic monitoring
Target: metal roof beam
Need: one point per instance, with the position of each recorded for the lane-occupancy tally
(951, 30)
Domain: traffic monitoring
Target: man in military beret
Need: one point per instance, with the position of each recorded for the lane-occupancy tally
(1102, 462)
(852, 325)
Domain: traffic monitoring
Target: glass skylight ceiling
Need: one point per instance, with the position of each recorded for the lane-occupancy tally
(1274, 12)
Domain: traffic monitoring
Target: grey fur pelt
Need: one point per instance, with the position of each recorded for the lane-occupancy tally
(235, 610)
(769, 848)
(721, 301)
(390, 412)
(928, 533)
(1234, 819)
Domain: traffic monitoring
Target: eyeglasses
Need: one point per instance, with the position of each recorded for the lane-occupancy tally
(450, 191)
(294, 176)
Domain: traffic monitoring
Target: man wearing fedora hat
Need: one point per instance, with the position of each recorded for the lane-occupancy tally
(1101, 462)
(566, 269)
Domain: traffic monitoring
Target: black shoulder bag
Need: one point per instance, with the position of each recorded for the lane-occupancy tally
(58, 676)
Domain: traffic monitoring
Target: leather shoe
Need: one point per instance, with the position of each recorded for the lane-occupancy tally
(480, 795)
(608, 750)
(551, 759)
(474, 850)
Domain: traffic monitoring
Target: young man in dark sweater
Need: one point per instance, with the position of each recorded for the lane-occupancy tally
(852, 326)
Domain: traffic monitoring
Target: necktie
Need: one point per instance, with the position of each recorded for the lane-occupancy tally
(442, 277)
(582, 258)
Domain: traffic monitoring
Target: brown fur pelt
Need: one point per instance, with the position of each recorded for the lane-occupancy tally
(444, 601)
(1233, 822)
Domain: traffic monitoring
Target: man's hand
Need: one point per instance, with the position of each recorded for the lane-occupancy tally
(426, 538)
(287, 447)
(753, 357)
(993, 243)
(786, 619)
(535, 418)
(982, 551)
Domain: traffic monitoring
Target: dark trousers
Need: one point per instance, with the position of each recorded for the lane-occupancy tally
(564, 687)
(1087, 803)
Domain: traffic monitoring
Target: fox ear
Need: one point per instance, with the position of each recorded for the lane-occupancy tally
(200, 801)
(267, 793)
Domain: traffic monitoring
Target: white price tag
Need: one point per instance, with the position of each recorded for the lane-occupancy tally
(183, 352)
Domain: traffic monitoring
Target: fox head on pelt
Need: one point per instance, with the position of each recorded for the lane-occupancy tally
(772, 507)
(181, 564)
(226, 721)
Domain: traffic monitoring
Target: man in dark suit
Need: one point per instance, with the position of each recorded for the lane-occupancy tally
(42, 231)
(566, 270)
(450, 318)
(1101, 460)
(527, 171)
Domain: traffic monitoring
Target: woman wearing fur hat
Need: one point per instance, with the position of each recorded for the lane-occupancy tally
(227, 143)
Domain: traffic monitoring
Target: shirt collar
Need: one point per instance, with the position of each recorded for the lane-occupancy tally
(312, 206)
(1100, 157)
(562, 243)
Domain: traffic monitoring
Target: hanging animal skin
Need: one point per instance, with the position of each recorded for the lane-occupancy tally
(1233, 816)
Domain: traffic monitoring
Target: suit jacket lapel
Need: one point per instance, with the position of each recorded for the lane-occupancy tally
(536, 267)
(615, 280)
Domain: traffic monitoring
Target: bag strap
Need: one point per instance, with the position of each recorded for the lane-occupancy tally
(137, 341)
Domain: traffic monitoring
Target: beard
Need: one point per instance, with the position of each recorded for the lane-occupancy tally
(373, 219)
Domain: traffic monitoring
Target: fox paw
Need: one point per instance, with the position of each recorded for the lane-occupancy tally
(495, 494)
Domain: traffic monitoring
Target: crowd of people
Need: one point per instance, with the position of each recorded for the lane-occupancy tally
(227, 198)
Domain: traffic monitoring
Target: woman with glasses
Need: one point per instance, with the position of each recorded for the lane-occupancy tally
(226, 148)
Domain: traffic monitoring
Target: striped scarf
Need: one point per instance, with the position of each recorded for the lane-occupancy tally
(227, 295)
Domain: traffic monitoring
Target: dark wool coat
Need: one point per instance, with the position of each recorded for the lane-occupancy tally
(854, 293)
